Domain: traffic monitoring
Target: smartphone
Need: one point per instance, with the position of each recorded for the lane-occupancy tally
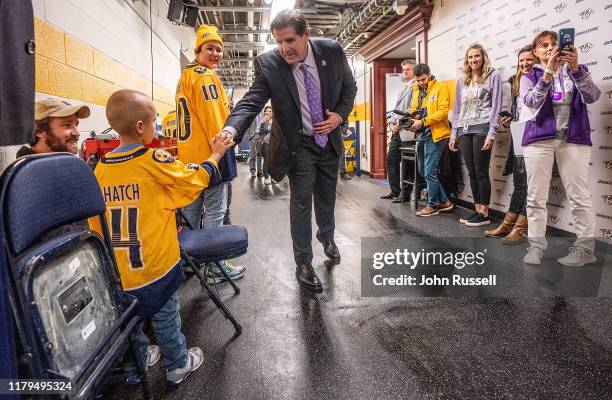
(566, 38)
(505, 114)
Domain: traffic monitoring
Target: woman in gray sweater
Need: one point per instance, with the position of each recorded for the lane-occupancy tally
(475, 118)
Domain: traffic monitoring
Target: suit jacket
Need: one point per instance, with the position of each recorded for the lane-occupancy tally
(404, 99)
(274, 80)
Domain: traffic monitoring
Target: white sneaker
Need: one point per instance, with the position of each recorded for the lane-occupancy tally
(577, 257)
(533, 256)
(195, 358)
(267, 181)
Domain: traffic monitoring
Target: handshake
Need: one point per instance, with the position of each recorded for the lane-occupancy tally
(221, 143)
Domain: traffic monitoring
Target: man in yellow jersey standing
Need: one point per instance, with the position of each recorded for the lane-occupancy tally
(202, 107)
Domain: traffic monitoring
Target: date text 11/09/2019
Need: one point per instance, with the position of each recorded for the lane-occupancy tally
(434, 280)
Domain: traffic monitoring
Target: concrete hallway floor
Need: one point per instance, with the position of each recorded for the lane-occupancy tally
(339, 345)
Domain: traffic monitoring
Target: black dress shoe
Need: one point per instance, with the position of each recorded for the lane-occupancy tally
(331, 250)
(345, 176)
(398, 200)
(307, 278)
(389, 196)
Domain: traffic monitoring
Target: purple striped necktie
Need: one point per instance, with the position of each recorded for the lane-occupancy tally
(313, 94)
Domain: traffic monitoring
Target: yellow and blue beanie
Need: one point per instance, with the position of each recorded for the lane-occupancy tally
(207, 33)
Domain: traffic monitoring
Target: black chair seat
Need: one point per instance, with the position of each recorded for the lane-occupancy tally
(214, 244)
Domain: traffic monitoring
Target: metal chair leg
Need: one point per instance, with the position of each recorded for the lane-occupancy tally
(211, 293)
(142, 370)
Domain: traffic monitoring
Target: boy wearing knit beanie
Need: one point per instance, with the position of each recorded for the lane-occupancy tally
(202, 107)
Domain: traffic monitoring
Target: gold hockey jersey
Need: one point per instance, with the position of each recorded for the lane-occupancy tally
(142, 187)
(202, 107)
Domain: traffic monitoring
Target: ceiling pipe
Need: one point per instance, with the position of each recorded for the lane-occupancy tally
(244, 31)
(235, 8)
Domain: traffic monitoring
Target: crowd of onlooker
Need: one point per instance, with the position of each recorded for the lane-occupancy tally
(549, 122)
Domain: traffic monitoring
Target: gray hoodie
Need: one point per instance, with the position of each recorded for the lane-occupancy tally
(484, 107)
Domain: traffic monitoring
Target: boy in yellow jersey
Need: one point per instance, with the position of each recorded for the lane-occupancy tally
(142, 187)
(202, 107)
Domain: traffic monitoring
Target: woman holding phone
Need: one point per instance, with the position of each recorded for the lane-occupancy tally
(557, 92)
(475, 118)
(513, 228)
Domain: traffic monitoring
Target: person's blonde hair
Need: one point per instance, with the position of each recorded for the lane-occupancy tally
(467, 70)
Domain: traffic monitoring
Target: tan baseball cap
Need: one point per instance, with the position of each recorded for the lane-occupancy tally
(50, 107)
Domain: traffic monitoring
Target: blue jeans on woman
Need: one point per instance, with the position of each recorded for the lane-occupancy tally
(172, 344)
(428, 159)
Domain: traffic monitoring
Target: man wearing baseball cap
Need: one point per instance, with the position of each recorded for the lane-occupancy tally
(56, 123)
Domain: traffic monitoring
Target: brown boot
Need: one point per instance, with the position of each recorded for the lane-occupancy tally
(518, 233)
(505, 227)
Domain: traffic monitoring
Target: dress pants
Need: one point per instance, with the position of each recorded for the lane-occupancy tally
(393, 164)
(314, 173)
(573, 162)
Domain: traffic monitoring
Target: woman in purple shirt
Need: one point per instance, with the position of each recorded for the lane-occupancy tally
(557, 92)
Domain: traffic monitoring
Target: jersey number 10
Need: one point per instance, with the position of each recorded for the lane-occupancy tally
(183, 117)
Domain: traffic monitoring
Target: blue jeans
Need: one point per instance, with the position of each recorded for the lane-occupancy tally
(255, 161)
(213, 201)
(172, 344)
(428, 159)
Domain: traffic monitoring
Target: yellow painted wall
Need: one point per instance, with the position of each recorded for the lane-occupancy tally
(67, 67)
(361, 112)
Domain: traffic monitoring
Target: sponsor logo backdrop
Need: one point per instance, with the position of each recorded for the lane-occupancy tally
(503, 27)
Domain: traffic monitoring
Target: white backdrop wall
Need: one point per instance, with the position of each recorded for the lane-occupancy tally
(503, 27)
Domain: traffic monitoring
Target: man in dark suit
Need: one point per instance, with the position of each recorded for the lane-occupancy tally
(312, 90)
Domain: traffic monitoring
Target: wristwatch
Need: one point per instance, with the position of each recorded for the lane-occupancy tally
(550, 71)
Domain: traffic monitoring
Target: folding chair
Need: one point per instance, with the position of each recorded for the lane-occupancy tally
(73, 319)
(212, 245)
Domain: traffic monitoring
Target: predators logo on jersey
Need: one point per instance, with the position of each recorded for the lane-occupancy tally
(202, 107)
(162, 156)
